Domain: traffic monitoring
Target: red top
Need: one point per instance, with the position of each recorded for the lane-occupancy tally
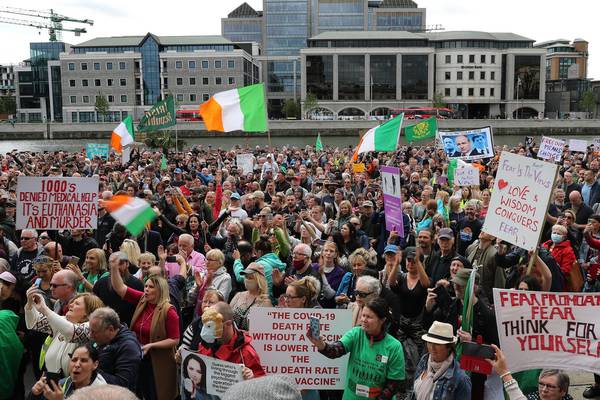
(144, 322)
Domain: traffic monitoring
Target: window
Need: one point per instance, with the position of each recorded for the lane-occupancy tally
(218, 80)
(73, 117)
(459, 59)
(179, 81)
(122, 65)
(483, 59)
(109, 82)
(191, 64)
(218, 63)
(71, 66)
(492, 75)
(205, 96)
(96, 66)
(471, 58)
(471, 91)
(482, 75)
(86, 99)
(492, 92)
(165, 64)
(231, 64)
(192, 81)
(178, 64)
(458, 92)
(123, 98)
(166, 83)
(111, 98)
(481, 92)
(123, 82)
(109, 66)
(448, 59)
(205, 81)
(193, 98)
(231, 80)
(493, 59)
(471, 75)
(459, 76)
(447, 76)
(180, 97)
(72, 82)
(84, 82)
(205, 64)
(447, 92)
(73, 99)
(97, 82)
(84, 66)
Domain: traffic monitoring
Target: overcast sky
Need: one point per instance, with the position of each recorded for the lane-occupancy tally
(536, 19)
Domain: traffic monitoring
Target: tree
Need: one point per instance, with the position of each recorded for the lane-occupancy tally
(587, 102)
(310, 103)
(291, 109)
(162, 140)
(101, 106)
(438, 101)
(8, 105)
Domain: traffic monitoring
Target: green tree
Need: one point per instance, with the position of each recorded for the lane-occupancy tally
(438, 101)
(587, 102)
(291, 109)
(162, 140)
(8, 105)
(310, 103)
(101, 106)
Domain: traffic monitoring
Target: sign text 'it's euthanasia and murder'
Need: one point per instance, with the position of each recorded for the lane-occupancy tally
(57, 203)
(279, 337)
(550, 330)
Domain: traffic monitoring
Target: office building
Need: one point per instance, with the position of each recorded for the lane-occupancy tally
(7, 80)
(133, 72)
(244, 24)
(478, 74)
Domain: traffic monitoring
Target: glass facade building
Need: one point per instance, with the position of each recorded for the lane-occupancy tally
(41, 53)
(341, 15)
(319, 76)
(527, 77)
(415, 76)
(351, 77)
(399, 21)
(151, 64)
(383, 77)
(243, 30)
(286, 25)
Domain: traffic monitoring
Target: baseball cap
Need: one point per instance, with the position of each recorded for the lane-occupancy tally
(367, 204)
(178, 171)
(410, 252)
(466, 263)
(254, 268)
(390, 248)
(235, 195)
(8, 277)
(446, 233)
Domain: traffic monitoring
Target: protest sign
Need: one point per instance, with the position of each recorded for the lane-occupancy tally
(529, 141)
(358, 168)
(160, 116)
(279, 337)
(578, 145)
(51, 203)
(96, 149)
(551, 149)
(520, 199)
(474, 144)
(548, 330)
(245, 162)
(597, 143)
(201, 375)
(466, 175)
(392, 199)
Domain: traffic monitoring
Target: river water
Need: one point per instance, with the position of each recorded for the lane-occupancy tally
(228, 142)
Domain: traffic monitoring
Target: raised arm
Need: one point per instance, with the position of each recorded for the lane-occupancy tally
(117, 281)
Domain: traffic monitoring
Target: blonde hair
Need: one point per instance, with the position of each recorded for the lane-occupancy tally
(345, 203)
(218, 254)
(560, 229)
(364, 255)
(147, 256)
(101, 256)
(306, 287)
(91, 302)
(132, 249)
(163, 288)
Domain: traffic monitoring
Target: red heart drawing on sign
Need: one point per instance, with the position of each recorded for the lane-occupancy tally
(502, 184)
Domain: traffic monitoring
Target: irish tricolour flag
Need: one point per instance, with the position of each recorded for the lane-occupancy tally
(122, 135)
(381, 138)
(241, 109)
(131, 212)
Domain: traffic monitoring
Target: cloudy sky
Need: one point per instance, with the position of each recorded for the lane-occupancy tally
(539, 20)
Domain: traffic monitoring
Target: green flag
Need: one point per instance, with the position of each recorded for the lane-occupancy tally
(163, 163)
(319, 144)
(467, 311)
(425, 129)
(161, 116)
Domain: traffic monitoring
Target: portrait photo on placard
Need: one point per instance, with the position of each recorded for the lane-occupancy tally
(468, 145)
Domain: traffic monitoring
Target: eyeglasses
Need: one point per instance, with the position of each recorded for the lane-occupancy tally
(287, 297)
(548, 386)
(57, 285)
(26, 238)
(362, 294)
(43, 237)
(211, 259)
(299, 254)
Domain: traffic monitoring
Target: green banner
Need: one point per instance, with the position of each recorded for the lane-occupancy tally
(161, 116)
(425, 129)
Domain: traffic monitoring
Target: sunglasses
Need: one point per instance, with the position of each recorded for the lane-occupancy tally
(362, 294)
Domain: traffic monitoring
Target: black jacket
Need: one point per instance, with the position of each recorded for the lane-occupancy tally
(120, 359)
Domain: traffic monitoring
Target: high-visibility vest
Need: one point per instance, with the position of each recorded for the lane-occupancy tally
(43, 351)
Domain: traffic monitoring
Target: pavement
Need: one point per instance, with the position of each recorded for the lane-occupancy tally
(579, 382)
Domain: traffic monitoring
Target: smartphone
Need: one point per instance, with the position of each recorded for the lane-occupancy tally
(74, 260)
(314, 328)
(37, 282)
(442, 295)
(53, 376)
(171, 259)
(479, 350)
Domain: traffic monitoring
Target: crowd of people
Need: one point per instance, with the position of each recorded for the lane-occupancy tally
(101, 307)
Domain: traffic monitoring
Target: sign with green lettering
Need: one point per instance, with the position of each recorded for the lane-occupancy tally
(161, 116)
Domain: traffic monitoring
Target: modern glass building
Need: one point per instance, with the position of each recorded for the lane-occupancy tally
(46, 78)
(244, 24)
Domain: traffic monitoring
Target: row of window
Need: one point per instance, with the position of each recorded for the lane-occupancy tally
(192, 97)
(471, 75)
(205, 81)
(97, 66)
(98, 82)
(459, 59)
(205, 64)
(86, 99)
(470, 91)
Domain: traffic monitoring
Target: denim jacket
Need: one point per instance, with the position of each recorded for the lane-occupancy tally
(453, 385)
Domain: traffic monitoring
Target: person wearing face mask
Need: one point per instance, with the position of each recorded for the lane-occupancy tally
(560, 248)
(301, 267)
(256, 295)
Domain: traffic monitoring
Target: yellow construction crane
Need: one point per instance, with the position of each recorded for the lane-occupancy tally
(54, 26)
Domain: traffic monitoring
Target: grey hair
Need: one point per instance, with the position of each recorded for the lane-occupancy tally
(103, 392)
(372, 282)
(187, 237)
(107, 316)
(561, 377)
(120, 255)
(472, 203)
(306, 250)
(32, 231)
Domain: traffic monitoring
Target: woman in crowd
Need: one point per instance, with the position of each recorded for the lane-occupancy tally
(344, 214)
(346, 240)
(132, 249)
(217, 276)
(191, 336)
(359, 260)
(256, 295)
(147, 260)
(560, 248)
(44, 270)
(365, 343)
(83, 366)
(156, 325)
(65, 333)
(329, 269)
(302, 293)
(367, 288)
(486, 195)
(94, 269)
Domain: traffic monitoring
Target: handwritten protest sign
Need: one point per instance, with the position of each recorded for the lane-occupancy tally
(578, 145)
(551, 149)
(57, 203)
(96, 149)
(550, 330)
(392, 199)
(279, 337)
(201, 375)
(358, 168)
(466, 175)
(520, 199)
(245, 162)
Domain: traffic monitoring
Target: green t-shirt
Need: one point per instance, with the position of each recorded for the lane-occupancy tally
(369, 365)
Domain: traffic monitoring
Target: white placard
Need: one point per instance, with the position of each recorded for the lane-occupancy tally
(578, 145)
(551, 149)
(201, 375)
(279, 337)
(597, 143)
(549, 330)
(474, 144)
(51, 203)
(466, 175)
(245, 162)
(520, 199)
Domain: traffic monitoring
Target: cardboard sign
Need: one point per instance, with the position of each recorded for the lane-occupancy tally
(279, 337)
(392, 199)
(201, 375)
(551, 149)
(51, 203)
(467, 175)
(245, 162)
(520, 199)
(578, 145)
(358, 168)
(468, 145)
(96, 150)
(549, 330)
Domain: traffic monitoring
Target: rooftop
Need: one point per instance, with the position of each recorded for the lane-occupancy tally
(132, 41)
(433, 36)
(398, 4)
(475, 35)
(244, 11)
(367, 35)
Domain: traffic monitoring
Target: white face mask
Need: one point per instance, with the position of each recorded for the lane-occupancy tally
(208, 332)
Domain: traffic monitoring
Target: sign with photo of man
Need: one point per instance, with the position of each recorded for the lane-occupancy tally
(474, 144)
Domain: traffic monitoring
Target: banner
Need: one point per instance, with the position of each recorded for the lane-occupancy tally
(245, 162)
(519, 202)
(466, 175)
(468, 145)
(51, 203)
(578, 145)
(279, 337)
(160, 116)
(425, 129)
(202, 375)
(551, 149)
(96, 149)
(548, 330)
(392, 199)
